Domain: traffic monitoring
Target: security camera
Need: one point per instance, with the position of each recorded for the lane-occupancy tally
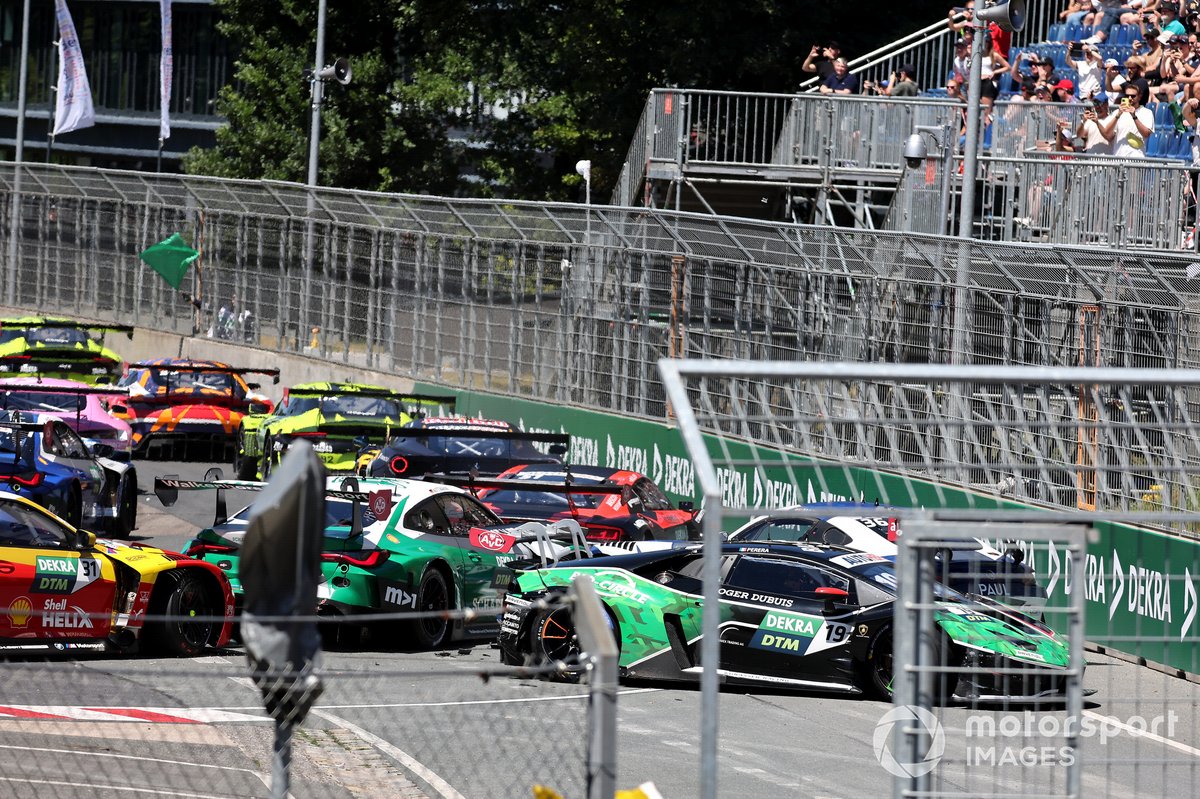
(915, 150)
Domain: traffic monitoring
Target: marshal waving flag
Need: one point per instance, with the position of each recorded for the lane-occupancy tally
(166, 65)
(171, 258)
(74, 107)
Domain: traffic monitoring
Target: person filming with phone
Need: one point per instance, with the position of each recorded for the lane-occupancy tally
(1130, 126)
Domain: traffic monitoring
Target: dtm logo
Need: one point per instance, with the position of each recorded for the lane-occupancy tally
(922, 723)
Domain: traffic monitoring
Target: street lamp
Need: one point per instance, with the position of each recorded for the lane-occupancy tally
(340, 71)
(915, 152)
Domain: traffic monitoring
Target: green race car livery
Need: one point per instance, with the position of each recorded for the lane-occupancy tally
(800, 615)
(339, 419)
(392, 547)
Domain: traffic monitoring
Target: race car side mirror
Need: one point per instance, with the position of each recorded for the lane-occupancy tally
(259, 407)
(84, 539)
(254, 386)
(558, 449)
(687, 505)
(831, 596)
(117, 408)
(103, 450)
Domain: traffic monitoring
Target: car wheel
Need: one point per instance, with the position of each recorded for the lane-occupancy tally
(265, 458)
(74, 511)
(181, 597)
(126, 519)
(244, 467)
(433, 596)
(879, 666)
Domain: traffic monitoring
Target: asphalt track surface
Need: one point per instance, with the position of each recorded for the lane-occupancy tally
(393, 723)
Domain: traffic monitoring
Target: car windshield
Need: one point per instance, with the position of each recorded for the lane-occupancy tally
(16, 400)
(186, 380)
(462, 446)
(338, 513)
(57, 336)
(882, 573)
(347, 405)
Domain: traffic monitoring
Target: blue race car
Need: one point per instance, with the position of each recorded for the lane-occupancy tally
(44, 460)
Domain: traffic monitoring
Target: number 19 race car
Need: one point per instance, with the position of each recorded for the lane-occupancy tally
(799, 615)
(62, 586)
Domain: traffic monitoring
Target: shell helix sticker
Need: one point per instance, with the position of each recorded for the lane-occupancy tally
(55, 575)
(798, 634)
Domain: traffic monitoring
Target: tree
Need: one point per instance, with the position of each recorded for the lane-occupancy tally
(491, 98)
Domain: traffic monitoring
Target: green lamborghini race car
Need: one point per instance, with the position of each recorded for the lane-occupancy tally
(394, 547)
(339, 419)
(59, 348)
(792, 614)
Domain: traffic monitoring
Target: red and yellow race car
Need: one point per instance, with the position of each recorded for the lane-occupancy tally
(62, 587)
(185, 408)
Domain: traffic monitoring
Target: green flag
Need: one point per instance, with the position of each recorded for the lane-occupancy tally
(170, 258)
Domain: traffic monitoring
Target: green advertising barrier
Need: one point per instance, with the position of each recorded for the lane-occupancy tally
(1140, 585)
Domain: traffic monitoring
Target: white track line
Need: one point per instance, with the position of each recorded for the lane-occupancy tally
(408, 761)
(124, 788)
(487, 701)
(1139, 733)
(262, 777)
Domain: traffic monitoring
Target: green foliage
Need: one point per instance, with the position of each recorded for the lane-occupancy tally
(569, 81)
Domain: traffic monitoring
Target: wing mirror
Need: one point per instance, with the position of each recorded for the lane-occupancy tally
(254, 386)
(831, 596)
(84, 539)
(118, 408)
(101, 450)
(687, 505)
(259, 408)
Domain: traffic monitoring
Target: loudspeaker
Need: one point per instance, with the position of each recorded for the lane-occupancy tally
(340, 71)
(1010, 15)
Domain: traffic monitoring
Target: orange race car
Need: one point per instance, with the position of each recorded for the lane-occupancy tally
(62, 587)
(184, 408)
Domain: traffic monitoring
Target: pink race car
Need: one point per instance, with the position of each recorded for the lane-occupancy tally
(82, 407)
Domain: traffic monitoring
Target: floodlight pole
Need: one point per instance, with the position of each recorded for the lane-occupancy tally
(966, 217)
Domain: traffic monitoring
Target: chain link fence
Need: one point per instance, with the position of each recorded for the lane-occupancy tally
(1013, 707)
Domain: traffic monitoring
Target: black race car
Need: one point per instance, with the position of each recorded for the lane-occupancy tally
(453, 445)
(799, 615)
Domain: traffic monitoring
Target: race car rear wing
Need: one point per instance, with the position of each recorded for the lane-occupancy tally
(167, 490)
(465, 431)
(65, 324)
(381, 393)
(549, 487)
(232, 370)
(37, 388)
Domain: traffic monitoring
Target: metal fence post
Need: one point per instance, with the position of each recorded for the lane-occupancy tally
(596, 636)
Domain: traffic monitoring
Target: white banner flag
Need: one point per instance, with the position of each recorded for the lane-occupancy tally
(165, 66)
(74, 107)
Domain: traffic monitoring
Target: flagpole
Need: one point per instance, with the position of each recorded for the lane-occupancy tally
(56, 56)
(10, 277)
(158, 160)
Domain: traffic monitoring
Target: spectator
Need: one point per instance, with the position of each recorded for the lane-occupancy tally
(1168, 20)
(1042, 69)
(1175, 72)
(962, 59)
(991, 66)
(1090, 69)
(1109, 16)
(1113, 79)
(903, 82)
(1025, 92)
(1063, 92)
(1089, 130)
(954, 90)
(960, 20)
(1130, 126)
(1078, 12)
(820, 60)
(840, 81)
(1134, 67)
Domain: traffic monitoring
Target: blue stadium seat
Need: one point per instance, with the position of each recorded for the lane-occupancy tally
(1005, 84)
(1154, 145)
(1071, 33)
(1163, 118)
(1057, 31)
(1183, 150)
(1125, 34)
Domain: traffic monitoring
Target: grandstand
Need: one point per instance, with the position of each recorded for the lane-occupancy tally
(823, 159)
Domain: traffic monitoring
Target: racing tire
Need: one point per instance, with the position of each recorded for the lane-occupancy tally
(73, 512)
(879, 667)
(125, 521)
(555, 644)
(181, 596)
(265, 458)
(433, 595)
(245, 468)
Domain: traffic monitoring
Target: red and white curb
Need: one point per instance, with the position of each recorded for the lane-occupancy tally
(156, 715)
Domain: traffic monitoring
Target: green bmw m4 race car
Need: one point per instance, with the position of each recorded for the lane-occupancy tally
(393, 547)
(339, 419)
(792, 614)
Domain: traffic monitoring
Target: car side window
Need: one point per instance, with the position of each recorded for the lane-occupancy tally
(789, 577)
(425, 518)
(828, 534)
(462, 514)
(650, 495)
(20, 526)
(783, 530)
(69, 443)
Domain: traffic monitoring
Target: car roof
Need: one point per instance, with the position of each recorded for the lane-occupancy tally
(463, 423)
(349, 388)
(416, 490)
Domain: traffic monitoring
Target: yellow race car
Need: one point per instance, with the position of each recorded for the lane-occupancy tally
(62, 587)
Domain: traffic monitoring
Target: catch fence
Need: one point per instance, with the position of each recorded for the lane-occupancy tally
(949, 457)
(515, 298)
